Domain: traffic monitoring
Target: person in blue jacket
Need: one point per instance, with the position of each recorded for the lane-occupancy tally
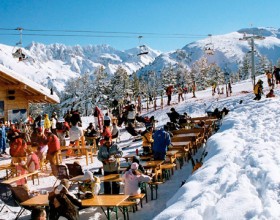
(161, 142)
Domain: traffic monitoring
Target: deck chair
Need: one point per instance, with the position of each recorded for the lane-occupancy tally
(7, 198)
(61, 173)
(20, 195)
(74, 169)
(134, 134)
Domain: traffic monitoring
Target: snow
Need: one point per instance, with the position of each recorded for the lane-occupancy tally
(240, 176)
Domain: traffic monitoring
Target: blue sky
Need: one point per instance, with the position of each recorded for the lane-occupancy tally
(164, 24)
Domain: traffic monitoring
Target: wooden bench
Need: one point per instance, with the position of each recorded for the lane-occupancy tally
(14, 179)
(123, 206)
(140, 196)
(154, 186)
(167, 170)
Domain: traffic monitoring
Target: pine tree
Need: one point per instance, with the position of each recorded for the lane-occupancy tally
(245, 68)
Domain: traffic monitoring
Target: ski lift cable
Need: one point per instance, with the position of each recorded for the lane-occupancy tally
(106, 32)
(96, 36)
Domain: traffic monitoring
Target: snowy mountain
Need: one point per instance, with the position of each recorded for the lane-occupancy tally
(54, 64)
(229, 49)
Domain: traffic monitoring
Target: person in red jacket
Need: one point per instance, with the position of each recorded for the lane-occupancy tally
(18, 146)
(53, 147)
(32, 163)
(106, 133)
(169, 91)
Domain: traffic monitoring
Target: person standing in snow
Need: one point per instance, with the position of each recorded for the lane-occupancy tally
(161, 142)
(180, 94)
(258, 90)
(98, 118)
(276, 74)
(169, 91)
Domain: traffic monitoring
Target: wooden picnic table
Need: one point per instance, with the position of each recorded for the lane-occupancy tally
(182, 145)
(14, 179)
(10, 169)
(193, 134)
(171, 154)
(111, 178)
(87, 151)
(106, 201)
(96, 201)
(39, 200)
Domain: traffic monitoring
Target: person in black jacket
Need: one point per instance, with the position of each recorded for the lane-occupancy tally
(173, 115)
(63, 203)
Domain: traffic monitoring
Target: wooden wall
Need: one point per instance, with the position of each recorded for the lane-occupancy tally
(19, 101)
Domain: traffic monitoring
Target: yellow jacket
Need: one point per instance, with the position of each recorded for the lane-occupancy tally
(147, 139)
(256, 89)
(47, 122)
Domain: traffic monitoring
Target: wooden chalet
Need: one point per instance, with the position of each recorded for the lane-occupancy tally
(17, 92)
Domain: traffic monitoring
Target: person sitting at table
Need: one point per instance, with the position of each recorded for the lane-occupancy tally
(161, 143)
(21, 169)
(76, 134)
(32, 163)
(106, 133)
(136, 159)
(88, 183)
(42, 145)
(200, 124)
(115, 131)
(92, 132)
(147, 139)
(173, 115)
(132, 178)
(108, 154)
(62, 203)
(38, 213)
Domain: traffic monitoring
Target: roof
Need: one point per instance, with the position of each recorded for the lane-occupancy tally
(32, 91)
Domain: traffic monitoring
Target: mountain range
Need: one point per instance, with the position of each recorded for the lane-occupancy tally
(55, 63)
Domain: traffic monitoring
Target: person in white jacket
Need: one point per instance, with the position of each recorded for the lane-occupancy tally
(132, 178)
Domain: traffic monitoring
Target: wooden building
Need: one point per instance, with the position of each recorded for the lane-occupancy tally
(17, 92)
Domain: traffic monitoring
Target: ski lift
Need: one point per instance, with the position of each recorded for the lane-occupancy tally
(209, 47)
(142, 48)
(17, 52)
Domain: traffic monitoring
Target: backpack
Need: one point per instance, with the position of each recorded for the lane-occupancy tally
(60, 126)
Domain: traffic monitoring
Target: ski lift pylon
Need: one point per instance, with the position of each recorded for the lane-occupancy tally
(142, 48)
(209, 47)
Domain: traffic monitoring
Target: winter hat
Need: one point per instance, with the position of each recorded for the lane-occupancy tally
(134, 166)
(87, 176)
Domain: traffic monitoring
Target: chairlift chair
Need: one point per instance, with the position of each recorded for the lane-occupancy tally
(17, 51)
(142, 48)
(209, 47)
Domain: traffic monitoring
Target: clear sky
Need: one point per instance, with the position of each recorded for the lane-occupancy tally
(164, 24)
